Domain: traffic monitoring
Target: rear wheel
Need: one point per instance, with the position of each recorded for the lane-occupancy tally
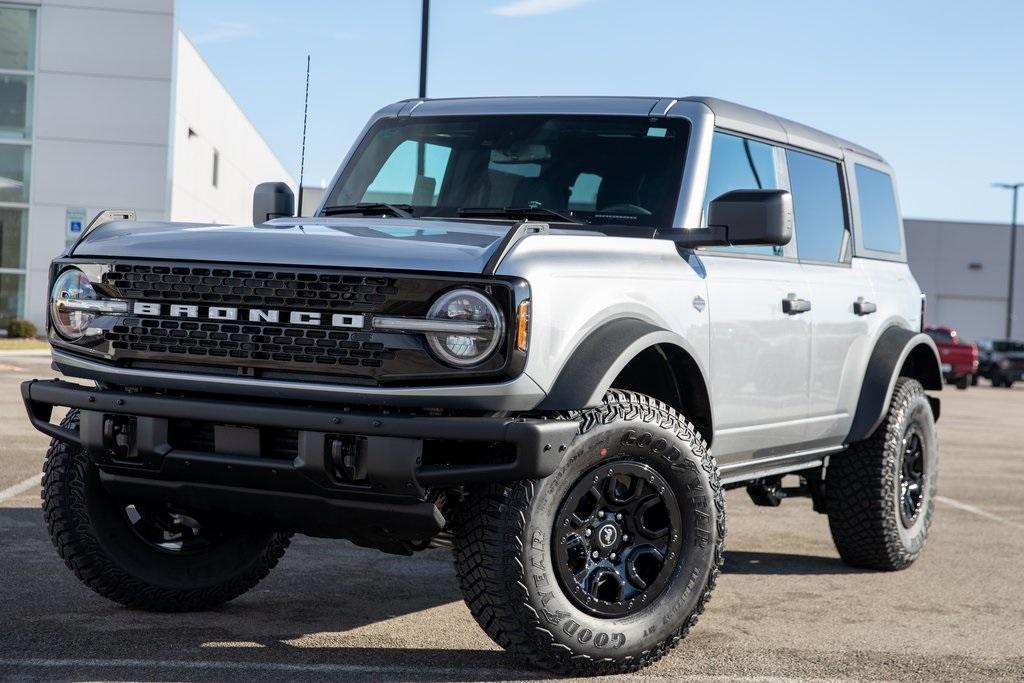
(144, 554)
(605, 565)
(880, 493)
(963, 382)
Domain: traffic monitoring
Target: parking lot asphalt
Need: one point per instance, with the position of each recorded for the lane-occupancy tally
(785, 608)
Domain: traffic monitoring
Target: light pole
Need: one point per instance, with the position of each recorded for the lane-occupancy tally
(1015, 187)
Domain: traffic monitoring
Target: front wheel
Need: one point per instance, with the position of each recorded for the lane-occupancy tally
(605, 565)
(963, 382)
(880, 493)
(144, 554)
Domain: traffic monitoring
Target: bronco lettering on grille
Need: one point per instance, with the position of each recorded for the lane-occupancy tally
(255, 315)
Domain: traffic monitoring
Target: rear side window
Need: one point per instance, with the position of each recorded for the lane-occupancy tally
(817, 206)
(879, 219)
(741, 164)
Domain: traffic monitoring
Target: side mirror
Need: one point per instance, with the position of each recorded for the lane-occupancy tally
(272, 200)
(744, 217)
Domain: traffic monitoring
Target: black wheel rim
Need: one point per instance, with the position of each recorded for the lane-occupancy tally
(169, 528)
(912, 477)
(617, 538)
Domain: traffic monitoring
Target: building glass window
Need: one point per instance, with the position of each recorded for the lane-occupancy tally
(17, 39)
(742, 164)
(12, 238)
(12, 293)
(15, 106)
(817, 207)
(17, 63)
(14, 160)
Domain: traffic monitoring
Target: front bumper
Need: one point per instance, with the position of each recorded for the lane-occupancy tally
(519, 394)
(242, 472)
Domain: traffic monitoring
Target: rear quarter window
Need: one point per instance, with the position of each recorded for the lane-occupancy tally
(879, 218)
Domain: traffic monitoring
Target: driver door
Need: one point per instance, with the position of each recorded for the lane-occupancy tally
(760, 346)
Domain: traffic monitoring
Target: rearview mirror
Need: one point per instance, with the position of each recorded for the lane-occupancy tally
(272, 200)
(743, 217)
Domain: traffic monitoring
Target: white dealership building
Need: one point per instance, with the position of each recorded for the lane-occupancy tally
(964, 270)
(105, 104)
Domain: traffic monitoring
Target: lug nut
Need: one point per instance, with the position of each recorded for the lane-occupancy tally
(600, 513)
(612, 556)
(618, 517)
(595, 554)
(625, 537)
(588, 532)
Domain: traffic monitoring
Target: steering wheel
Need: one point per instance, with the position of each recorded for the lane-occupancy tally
(631, 209)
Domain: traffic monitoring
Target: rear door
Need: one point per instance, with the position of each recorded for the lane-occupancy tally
(759, 354)
(844, 312)
(879, 244)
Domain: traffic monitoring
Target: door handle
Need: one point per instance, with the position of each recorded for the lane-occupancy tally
(793, 306)
(862, 307)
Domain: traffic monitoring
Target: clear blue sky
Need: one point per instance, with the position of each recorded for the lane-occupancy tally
(936, 86)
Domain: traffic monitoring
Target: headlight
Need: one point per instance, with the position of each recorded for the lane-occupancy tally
(479, 337)
(74, 304)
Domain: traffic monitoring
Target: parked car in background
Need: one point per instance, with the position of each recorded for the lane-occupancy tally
(959, 358)
(1001, 361)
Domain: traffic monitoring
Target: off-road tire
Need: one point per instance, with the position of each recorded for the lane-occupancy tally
(862, 487)
(504, 541)
(88, 527)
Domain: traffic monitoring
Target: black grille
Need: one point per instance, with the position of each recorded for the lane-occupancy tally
(254, 347)
(245, 343)
(243, 287)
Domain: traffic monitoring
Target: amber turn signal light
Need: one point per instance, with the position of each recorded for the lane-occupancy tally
(523, 325)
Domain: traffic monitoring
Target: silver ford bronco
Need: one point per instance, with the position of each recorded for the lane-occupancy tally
(547, 333)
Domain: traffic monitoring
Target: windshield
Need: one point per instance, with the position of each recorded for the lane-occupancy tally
(594, 169)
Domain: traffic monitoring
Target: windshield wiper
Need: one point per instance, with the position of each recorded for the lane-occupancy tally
(365, 208)
(524, 211)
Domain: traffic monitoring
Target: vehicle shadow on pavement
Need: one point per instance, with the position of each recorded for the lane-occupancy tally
(752, 562)
(328, 610)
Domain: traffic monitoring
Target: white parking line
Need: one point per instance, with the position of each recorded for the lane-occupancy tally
(977, 511)
(11, 491)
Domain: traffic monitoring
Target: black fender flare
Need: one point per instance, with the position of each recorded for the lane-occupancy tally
(897, 352)
(595, 363)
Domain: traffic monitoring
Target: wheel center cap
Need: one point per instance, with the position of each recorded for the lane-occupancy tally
(607, 535)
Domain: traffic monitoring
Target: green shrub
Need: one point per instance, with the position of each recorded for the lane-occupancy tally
(21, 329)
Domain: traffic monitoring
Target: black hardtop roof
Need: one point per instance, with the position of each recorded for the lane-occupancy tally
(728, 115)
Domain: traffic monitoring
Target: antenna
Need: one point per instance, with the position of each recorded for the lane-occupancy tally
(302, 156)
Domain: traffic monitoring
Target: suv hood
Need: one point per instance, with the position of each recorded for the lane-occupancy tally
(344, 242)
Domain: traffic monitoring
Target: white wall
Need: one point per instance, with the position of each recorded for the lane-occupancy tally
(964, 269)
(102, 120)
(204, 106)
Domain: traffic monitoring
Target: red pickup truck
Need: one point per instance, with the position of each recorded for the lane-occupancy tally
(959, 358)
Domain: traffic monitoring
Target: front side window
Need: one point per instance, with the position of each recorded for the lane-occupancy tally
(881, 229)
(602, 170)
(817, 207)
(742, 164)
